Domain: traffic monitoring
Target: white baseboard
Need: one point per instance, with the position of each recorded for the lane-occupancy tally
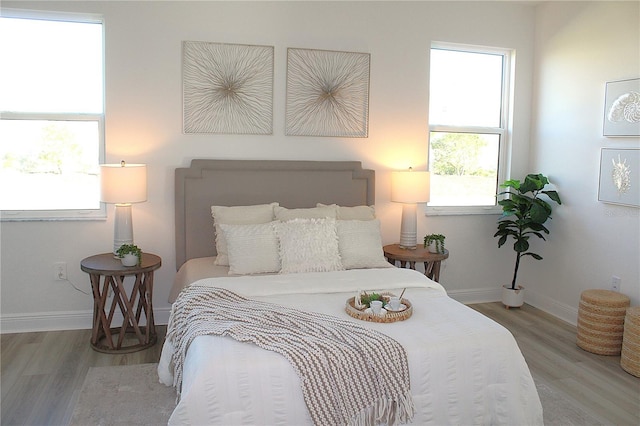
(551, 306)
(71, 320)
(470, 296)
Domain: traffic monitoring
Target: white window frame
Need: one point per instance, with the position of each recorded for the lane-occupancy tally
(504, 131)
(61, 214)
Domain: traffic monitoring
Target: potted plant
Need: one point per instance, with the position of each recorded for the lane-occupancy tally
(524, 213)
(435, 243)
(129, 254)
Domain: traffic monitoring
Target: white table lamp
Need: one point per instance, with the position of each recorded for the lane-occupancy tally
(409, 187)
(123, 184)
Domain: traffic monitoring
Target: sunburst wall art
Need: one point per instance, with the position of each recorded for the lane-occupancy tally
(622, 108)
(227, 88)
(620, 176)
(327, 93)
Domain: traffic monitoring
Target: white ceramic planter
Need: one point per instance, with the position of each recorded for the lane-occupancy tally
(432, 247)
(512, 298)
(129, 260)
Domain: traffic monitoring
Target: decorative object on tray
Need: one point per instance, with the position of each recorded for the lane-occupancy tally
(524, 213)
(227, 88)
(617, 170)
(327, 93)
(622, 108)
(376, 307)
(129, 254)
(434, 242)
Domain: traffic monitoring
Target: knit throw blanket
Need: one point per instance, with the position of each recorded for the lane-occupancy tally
(350, 375)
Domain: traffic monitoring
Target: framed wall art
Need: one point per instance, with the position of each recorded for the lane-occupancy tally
(622, 108)
(227, 88)
(620, 176)
(327, 93)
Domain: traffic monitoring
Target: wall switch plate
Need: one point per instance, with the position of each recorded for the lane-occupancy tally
(60, 271)
(615, 283)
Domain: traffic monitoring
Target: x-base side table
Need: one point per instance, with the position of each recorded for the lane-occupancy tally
(432, 261)
(107, 272)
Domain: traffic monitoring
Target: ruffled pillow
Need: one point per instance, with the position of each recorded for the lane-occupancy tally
(308, 245)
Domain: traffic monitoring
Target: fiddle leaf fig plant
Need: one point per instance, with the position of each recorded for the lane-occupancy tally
(524, 213)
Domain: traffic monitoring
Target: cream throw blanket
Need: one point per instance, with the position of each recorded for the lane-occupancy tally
(350, 375)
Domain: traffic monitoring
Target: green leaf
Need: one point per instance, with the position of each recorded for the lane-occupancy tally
(538, 227)
(511, 183)
(535, 256)
(553, 195)
(539, 213)
(521, 245)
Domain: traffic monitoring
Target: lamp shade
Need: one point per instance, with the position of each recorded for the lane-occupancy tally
(409, 186)
(123, 183)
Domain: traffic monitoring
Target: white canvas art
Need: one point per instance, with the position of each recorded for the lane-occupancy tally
(620, 176)
(327, 93)
(227, 88)
(622, 108)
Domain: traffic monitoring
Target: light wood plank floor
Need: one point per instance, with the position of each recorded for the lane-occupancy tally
(596, 384)
(42, 373)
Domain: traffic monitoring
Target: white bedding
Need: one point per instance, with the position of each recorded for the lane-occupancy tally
(465, 368)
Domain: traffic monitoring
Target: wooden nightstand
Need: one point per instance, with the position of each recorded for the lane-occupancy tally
(394, 254)
(132, 306)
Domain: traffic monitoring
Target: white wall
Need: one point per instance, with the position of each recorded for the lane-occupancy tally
(579, 47)
(143, 101)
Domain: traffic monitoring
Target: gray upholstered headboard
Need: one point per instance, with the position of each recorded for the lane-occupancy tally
(293, 184)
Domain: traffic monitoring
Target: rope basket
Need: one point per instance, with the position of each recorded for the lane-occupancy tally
(390, 316)
(601, 321)
(630, 358)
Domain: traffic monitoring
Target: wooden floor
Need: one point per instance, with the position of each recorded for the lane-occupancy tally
(42, 373)
(596, 384)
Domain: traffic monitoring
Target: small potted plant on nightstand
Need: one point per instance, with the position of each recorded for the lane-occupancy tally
(523, 214)
(435, 243)
(129, 254)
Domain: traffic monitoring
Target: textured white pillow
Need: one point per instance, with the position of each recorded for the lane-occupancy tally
(360, 244)
(283, 214)
(252, 249)
(237, 215)
(308, 245)
(352, 213)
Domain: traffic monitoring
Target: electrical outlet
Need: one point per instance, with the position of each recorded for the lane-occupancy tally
(60, 271)
(615, 283)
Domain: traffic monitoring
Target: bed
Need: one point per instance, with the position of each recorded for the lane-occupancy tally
(459, 366)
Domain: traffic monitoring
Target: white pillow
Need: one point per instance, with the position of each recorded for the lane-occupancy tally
(360, 244)
(252, 249)
(237, 215)
(283, 214)
(352, 213)
(308, 245)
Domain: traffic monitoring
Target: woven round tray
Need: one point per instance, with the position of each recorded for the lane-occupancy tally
(390, 316)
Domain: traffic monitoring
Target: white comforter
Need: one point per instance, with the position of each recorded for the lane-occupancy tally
(465, 368)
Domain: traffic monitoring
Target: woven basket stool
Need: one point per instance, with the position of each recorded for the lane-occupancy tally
(601, 321)
(630, 360)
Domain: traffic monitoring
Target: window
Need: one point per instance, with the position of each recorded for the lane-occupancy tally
(468, 138)
(51, 116)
